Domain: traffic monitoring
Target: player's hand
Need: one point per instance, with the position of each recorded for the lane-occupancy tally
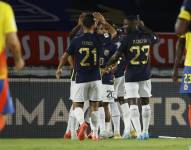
(104, 71)
(175, 75)
(19, 64)
(58, 73)
(81, 18)
(99, 17)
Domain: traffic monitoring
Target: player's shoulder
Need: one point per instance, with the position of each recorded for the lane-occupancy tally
(5, 6)
(186, 5)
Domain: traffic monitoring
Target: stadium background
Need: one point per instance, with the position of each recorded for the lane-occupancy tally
(41, 101)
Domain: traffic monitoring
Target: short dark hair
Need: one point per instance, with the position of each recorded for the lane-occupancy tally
(88, 20)
(132, 18)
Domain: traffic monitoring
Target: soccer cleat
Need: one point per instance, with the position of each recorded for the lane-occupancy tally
(90, 135)
(67, 135)
(95, 137)
(81, 134)
(189, 115)
(2, 122)
(133, 134)
(117, 136)
(126, 135)
(105, 134)
(145, 136)
(140, 137)
(74, 136)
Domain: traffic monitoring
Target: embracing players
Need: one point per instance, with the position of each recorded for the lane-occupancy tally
(85, 49)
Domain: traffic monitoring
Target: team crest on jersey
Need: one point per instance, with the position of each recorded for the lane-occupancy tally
(106, 52)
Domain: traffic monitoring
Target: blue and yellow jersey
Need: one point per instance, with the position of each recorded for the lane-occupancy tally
(7, 25)
(185, 13)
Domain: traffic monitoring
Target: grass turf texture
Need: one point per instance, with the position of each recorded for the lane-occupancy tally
(61, 144)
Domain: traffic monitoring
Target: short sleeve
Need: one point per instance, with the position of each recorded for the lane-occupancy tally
(10, 24)
(71, 48)
(154, 38)
(185, 12)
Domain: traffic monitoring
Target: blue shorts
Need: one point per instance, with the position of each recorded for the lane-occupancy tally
(185, 87)
(6, 104)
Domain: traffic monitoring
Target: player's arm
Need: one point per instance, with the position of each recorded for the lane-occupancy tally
(77, 27)
(70, 51)
(11, 38)
(113, 60)
(100, 18)
(62, 62)
(180, 46)
(12, 43)
(71, 62)
(142, 26)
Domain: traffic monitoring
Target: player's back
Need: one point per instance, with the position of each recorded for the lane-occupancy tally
(137, 55)
(85, 49)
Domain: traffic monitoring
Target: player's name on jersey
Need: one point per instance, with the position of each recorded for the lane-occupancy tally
(87, 43)
(140, 41)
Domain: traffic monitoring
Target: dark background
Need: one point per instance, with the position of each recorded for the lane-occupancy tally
(160, 15)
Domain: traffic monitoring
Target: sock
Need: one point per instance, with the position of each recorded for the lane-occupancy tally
(146, 116)
(2, 122)
(189, 115)
(79, 115)
(101, 119)
(107, 126)
(115, 115)
(126, 117)
(73, 126)
(69, 120)
(135, 117)
(95, 122)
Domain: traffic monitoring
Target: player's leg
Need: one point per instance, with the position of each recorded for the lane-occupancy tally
(101, 120)
(126, 117)
(94, 118)
(115, 115)
(189, 110)
(6, 104)
(132, 95)
(145, 93)
(108, 100)
(67, 134)
(95, 96)
(79, 96)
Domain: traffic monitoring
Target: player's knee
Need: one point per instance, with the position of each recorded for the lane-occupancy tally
(134, 111)
(132, 101)
(144, 101)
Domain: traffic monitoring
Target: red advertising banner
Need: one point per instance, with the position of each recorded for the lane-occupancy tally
(42, 48)
(45, 48)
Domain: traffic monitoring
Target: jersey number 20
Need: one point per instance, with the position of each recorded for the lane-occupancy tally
(84, 62)
(136, 60)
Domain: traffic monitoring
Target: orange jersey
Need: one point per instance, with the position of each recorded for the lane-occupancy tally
(7, 25)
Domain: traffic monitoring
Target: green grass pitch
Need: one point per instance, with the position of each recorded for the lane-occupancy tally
(61, 144)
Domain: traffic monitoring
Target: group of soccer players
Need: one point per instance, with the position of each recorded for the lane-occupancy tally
(112, 73)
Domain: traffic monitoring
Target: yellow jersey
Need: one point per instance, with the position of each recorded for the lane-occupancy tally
(7, 25)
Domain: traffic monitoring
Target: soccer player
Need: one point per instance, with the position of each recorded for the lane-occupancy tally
(109, 49)
(86, 51)
(135, 48)
(182, 27)
(8, 39)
